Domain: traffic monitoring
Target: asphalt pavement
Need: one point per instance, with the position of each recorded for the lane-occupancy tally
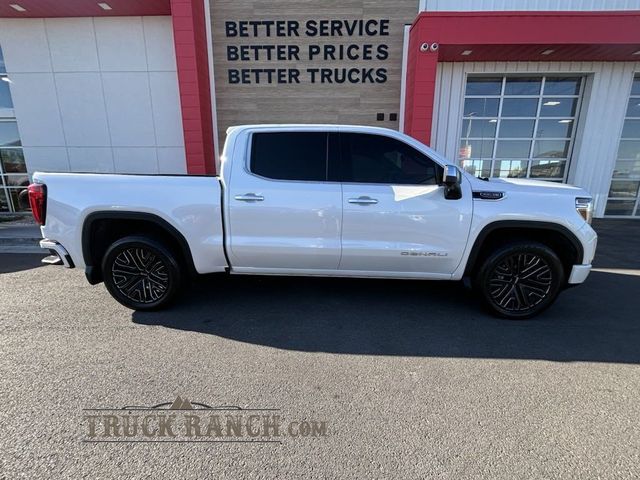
(412, 378)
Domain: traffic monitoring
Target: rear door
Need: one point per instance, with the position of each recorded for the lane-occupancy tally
(283, 213)
(395, 216)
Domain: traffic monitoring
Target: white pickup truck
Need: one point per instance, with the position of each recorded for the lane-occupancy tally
(320, 200)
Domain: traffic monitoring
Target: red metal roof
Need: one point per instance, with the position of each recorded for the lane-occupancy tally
(83, 8)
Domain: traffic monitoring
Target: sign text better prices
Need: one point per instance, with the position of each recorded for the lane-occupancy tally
(366, 49)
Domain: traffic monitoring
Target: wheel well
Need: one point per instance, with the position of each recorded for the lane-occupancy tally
(568, 250)
(101, 230)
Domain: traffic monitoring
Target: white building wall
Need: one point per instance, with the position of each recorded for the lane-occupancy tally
(515, 5)
(599, 124)
(95, 94)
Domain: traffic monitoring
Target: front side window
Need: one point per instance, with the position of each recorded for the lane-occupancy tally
(519, 126)
(290, 155)
(378, 159)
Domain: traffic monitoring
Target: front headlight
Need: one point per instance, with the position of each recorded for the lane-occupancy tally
(584, 206)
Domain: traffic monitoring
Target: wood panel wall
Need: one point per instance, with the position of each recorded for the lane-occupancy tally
(306, 102)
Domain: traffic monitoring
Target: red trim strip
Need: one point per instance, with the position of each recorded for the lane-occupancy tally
(190, 38)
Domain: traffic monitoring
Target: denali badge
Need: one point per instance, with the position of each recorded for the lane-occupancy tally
(425, 254)
(488, 195)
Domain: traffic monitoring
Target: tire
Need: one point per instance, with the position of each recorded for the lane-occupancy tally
(520, 280)
(141, 273)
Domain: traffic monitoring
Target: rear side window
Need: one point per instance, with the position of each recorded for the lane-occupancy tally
(370, 158)
(290, 155)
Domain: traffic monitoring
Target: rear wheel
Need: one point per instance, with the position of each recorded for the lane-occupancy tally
(520, 280)
(141, 273)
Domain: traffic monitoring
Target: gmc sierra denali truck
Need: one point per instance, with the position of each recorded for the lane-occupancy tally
(321, 200)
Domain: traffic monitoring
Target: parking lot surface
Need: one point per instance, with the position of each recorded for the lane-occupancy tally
(413, 379)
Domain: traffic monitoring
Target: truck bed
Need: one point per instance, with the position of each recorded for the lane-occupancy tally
(190, 204)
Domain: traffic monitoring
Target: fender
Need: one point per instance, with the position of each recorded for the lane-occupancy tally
(93, 273)
(477, 245)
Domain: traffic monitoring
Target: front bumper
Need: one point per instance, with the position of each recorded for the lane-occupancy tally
(56, 250)
(589, 240)
(579, 274)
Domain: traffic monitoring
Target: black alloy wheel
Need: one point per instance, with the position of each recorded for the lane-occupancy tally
(520, 280)
(141, 273)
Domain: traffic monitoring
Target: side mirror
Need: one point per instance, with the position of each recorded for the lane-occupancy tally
(451, 181)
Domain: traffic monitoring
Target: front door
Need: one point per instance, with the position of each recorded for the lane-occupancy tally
(283, 214)
(395, 216)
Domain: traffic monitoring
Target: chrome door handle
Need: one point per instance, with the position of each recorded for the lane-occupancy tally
(363, 200)
(249, 197)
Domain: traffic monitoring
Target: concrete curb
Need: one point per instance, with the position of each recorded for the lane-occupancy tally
(19, 241)
(18, 237)
(22, 249)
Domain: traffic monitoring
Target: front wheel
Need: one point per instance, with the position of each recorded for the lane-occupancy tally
(141, 273)
(520, 280)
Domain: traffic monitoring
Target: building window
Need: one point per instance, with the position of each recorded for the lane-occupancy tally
(5, 94)
(624, 197)
(13, 171)
(520, 126)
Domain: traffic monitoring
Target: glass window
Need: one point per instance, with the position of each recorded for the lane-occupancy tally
(519, 107)
(12, 160)
(516, 128)
(624, 189)
(633, 108)
(547, 169)
(510, 168)
(562, 85)
(16, 180)
(554, 128)
(483, 86)
(523, 86)
(5, 93)
(9, 136)
(479, 128)
(513, 149)
(619, 207)
(626, 169)
(629, 149)
(4, 203)
(13, 171)
(290, 155)
(481, 107)
(476, 149)
(19, 199)
(558, 107)
(478, 168)
(631, 129)
(551, 148)
(379, 159)
(531, 118)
